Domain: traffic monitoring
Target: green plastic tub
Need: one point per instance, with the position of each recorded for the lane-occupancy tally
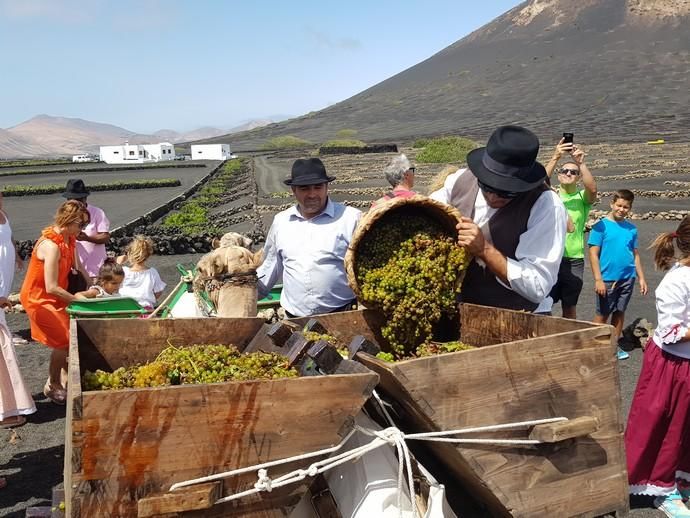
(114, 307)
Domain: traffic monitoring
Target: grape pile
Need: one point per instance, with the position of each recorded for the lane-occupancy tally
(429, 349)
(193, 364)
(410, 269)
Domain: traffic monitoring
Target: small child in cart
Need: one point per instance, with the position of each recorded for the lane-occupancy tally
(108, 282)
(143, 283)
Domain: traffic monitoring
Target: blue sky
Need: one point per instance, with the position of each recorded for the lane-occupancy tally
(151, 64)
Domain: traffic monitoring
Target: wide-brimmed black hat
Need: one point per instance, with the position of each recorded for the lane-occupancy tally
(308, 171)
(75, 189)
(509, 160)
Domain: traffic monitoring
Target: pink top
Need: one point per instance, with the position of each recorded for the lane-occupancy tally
(92, 255)
(398, 192)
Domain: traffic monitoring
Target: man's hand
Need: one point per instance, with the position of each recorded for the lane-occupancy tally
(578, 155)
(470, 236)
(83, 237)
(643, 287)
(600, 287)
(562, 148)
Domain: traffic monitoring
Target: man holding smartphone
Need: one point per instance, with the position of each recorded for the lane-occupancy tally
(578, 202)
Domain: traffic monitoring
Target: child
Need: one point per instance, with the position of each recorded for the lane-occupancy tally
(657, 435)
(141, 282)
(110, 277)
(15, 399)
(615, 261)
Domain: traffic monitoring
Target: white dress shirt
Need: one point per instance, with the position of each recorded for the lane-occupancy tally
(309, 254)
(673, 311)
(534, 270)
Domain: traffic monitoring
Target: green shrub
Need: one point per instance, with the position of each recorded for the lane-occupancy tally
(421, 142)
(193, 216)
(343, 143)
(346, 133)
(286, 142)
(31, 162)
(446, 150)
(29, 190)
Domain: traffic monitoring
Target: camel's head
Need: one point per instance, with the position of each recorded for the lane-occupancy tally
(232, 239)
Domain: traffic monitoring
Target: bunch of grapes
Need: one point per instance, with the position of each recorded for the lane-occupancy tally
(411, 270)
(192, 365)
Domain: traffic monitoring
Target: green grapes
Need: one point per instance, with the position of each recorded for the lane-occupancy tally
(441, 347)
(192, 365)
(411, 270)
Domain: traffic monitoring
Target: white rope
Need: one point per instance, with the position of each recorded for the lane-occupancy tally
(391, 435)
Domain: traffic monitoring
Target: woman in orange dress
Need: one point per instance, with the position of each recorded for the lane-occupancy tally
(44, 293)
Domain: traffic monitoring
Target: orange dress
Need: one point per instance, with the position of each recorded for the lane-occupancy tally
(46, 312)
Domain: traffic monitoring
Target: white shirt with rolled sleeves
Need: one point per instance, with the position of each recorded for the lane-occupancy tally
(310, 256)
(534, 270)
(673, 311)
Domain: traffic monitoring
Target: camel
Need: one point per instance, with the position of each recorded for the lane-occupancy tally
(228, 275)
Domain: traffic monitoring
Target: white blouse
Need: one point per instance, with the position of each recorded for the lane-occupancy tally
(673, 311)
(142, 286)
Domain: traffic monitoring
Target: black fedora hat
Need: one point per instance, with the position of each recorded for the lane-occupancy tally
(509, 160)
(75, 189)
(308, 171)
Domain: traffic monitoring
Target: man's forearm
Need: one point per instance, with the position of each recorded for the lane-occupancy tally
(495, 261)
(589, 183)
(551, 165)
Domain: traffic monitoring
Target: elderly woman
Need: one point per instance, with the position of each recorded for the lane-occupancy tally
(44, 293)
(400, 174)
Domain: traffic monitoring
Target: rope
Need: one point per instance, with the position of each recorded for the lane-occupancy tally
(392, 436)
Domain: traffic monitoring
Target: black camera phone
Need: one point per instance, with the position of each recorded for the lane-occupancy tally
(567, 138)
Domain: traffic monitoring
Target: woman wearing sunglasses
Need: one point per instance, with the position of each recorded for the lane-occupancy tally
(578, 202)
(44, 293)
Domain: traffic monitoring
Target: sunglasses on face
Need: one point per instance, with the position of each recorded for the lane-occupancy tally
(570, 172)
(501, 194)
(412, 169)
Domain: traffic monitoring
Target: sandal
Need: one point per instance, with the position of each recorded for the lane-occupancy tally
(12, 422)
(56, 395)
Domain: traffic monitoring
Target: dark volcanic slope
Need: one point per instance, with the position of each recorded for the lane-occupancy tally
(609, 69)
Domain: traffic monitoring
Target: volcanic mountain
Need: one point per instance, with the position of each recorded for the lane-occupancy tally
(614, 70)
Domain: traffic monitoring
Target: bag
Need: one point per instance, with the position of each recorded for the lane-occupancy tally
(75, 281)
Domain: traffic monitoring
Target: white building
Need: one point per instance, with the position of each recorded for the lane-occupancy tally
(211, 152)
(137, 153)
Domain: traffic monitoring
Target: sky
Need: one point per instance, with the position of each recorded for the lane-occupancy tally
(147, 65)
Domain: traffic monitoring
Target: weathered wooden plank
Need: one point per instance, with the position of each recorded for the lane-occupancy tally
(200, 496)
(554, 432)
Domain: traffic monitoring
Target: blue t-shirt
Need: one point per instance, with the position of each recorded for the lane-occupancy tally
(617, 242)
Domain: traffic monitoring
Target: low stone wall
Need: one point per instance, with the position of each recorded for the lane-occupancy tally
(355, 150)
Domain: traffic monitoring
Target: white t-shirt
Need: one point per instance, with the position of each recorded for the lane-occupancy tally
(673, 311)
(142, 285)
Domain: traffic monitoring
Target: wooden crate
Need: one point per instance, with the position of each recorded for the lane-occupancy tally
(525, 367)
(124, 448)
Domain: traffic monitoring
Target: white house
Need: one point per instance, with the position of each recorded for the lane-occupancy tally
(137, 153)
(211, 152)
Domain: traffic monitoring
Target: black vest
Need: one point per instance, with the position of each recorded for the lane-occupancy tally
(480, 285)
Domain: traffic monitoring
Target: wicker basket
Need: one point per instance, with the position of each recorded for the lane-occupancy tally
(436, 211)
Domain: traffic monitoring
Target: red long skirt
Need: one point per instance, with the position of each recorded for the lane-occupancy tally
(657, 438)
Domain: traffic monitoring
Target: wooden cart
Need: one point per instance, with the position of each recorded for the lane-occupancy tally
(124, 448)
(525, 367)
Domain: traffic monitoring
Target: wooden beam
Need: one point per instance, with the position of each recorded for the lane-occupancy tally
(193, 498)
(554, 432)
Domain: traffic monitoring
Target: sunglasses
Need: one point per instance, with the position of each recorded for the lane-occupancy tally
(501, 194)
(412, 169)
(569, 172)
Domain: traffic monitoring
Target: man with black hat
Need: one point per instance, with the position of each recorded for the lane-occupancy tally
(90, 241)
(306, 244)
(512, 224)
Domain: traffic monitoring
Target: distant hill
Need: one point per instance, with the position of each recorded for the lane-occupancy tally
(45, 135)
(604, 69)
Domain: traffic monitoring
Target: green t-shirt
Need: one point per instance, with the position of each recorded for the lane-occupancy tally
(578, 209)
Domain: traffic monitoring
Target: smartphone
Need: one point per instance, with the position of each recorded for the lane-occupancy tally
(567, 138)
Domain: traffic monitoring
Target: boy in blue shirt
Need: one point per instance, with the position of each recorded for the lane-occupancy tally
(615, 262)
